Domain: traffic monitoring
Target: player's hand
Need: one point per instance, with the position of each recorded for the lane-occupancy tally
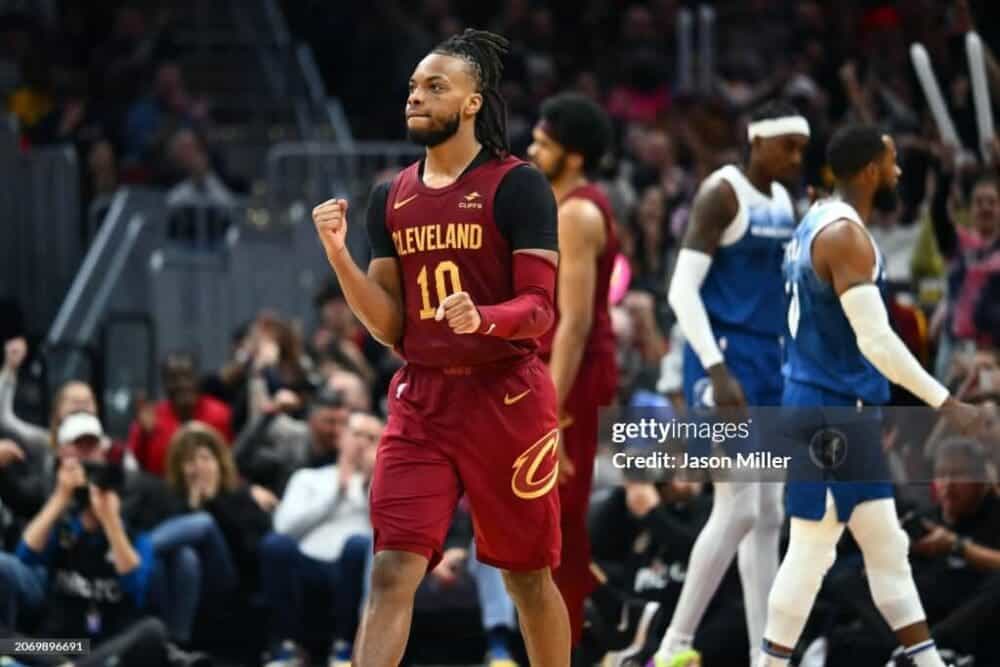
(330, 219)
(968, 419)
(727, 393)
(462, 315)
(641, 498)
(15, 350)
(566, 468)
(447, 571)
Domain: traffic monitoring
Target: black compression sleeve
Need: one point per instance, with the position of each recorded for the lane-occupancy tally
(525, 210)
(378, 235)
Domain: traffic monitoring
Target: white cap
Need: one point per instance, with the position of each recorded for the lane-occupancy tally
(78, 425)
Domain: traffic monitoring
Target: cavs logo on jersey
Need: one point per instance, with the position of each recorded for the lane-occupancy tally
(537, 468)
(470, 201)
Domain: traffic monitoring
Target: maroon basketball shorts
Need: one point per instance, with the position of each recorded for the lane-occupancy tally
(491, 433)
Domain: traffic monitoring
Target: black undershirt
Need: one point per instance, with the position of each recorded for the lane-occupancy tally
(524, 210)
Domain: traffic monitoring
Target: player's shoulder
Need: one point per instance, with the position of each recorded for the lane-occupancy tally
(718, 197)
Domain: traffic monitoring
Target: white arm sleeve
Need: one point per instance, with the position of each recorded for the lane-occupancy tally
(883, 348)
(685, 298)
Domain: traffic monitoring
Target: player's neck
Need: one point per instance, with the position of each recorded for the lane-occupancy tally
(861, 201)
(566, 184)
(446, 161)
(758, 177)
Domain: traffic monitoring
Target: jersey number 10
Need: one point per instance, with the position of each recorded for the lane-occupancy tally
(442, 272)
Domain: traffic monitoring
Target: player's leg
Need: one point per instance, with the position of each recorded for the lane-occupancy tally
(573, 576)
(541, 614)
(885, 547)
(812, 549)
(758, 559)
(508, 463)
(733, 515)
(414, 492)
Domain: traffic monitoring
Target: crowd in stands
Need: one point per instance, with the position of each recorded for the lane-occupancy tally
(232, 520)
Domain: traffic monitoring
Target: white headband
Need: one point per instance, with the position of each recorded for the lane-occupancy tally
(775, 127)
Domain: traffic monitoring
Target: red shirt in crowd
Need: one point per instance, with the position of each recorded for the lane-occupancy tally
(150, 449)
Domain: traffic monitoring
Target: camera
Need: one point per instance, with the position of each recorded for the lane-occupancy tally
(104, 475)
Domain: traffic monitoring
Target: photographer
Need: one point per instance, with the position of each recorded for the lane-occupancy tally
(955, 550)
(70, 537)
(97, 574)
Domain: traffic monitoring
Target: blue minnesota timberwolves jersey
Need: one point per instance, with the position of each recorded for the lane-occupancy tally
(742, 293)
(822, 350)
(743, 287)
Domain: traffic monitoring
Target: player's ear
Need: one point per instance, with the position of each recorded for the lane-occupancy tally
(473, 104)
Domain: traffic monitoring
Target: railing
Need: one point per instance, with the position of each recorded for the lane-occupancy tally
(302, 174)
(41, 238)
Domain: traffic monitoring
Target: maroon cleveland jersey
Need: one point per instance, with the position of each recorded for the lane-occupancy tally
(599, 353)
(447, 241)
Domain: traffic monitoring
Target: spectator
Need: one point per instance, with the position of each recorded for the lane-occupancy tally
(98, 574)
(357, 395)
(201, 207)
(973, 254)
(201, 472)
(275, 445)
(338, 339)
(277, 363)
(648, 528)
(954, 549)
(168, 102)
(321, 543)
(150, 434)
(72, 396)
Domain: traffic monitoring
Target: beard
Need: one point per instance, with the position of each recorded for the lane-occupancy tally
(553, 173)
(434, 136)
(886, 199)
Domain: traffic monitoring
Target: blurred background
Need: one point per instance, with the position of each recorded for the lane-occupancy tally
(161, 161)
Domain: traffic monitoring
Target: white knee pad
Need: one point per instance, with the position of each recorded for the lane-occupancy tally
(811, 551)
(886, 547)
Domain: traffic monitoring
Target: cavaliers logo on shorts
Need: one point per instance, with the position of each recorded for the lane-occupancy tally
(528, 482)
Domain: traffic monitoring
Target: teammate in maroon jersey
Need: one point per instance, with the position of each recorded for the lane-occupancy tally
(569, 142)
(461, 283)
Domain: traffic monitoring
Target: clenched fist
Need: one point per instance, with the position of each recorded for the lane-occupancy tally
(330, 219)
(461, 313)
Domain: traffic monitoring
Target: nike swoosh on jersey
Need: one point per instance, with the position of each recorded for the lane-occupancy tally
(401, 203)
(511, 400)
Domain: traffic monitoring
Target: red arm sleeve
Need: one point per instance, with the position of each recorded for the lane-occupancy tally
(531, 312)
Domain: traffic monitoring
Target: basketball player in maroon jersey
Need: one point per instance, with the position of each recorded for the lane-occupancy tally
(461, 283)
(570, 139)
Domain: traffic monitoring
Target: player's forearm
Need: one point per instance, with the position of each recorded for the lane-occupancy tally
(883, 348)
(567, 355)
(528, 315)
(373, 305)
(685, 299)
(532, 310)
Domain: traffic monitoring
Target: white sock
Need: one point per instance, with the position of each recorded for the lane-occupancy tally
(732, 516)
(925, 654)
(771, 660)
(674, 642)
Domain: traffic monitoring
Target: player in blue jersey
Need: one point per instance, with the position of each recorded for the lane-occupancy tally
(727, 293)
(840, 351)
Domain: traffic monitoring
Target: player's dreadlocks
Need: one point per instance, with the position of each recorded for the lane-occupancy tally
(483, 51)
